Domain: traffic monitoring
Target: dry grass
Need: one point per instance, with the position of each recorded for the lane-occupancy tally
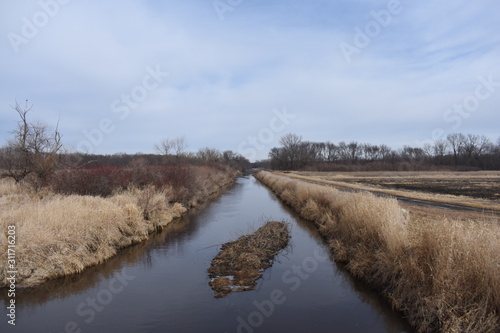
(59, 235)
(240, 263)
(387, 181)
(443, 274)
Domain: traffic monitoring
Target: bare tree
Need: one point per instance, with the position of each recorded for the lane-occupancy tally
(165, 147)
(385, 152)
(371, 152)
(32, 150)
(209, 155)
(332, 152)
(355, 150)
(456, 141)
(291, 148)
(179, 146)
(176, 146)
(440, 149)
(414, 156)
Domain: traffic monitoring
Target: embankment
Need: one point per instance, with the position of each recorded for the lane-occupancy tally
(58, 234)
(444, 275)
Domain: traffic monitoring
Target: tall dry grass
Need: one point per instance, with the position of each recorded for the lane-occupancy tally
(444, 275)
(58, 235)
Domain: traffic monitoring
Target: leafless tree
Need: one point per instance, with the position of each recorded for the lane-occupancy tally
(172, 147)
(209, 155)
(165, 147)
(33, 149)
(332, 152)
(291, 148)
(456, 142)
(385, 152)
(474, 147)
(354, 150)
(180, 146)
(440, 149)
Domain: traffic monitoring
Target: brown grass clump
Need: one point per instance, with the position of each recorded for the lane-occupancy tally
(241, 263)
(61, 235)
(443, 274)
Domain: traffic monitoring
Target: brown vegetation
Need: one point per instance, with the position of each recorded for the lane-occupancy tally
(443, 274)
(469, 189)
(58, 235)
(241, 263)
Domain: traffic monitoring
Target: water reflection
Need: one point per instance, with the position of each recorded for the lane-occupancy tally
(162, 243)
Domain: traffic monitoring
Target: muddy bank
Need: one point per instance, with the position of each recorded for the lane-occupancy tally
(241, 263)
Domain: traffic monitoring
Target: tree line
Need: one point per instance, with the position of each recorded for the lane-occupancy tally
(35, 152)
(457, 152)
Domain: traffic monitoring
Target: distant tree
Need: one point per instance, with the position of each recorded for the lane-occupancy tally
(385, 152)
(332, 152)
(474, 146)
(165, 147)
(354, 150)
(292, 147)
(175, 147)
(235, 161)
(456, 142)
(371, 152)
(33, 149)
(440, 149)
(211, 155)
(428, 150)
(414, 156)
(180, 146)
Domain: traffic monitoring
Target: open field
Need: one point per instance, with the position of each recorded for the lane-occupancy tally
(480, 190)
(442, 273)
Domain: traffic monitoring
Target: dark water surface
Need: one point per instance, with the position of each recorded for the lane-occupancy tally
(161, 285)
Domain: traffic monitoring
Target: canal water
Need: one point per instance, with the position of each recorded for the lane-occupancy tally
(161, 285)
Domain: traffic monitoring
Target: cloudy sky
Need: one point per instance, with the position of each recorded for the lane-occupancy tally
(120, 76)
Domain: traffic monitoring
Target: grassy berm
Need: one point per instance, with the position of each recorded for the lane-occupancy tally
(241, 263)
(443, 274)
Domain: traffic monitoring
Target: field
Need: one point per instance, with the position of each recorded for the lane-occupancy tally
(468, 191)
(439, 266)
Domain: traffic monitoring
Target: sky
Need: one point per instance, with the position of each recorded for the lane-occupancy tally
(121, 76)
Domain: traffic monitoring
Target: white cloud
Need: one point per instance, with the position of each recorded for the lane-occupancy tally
(227, 76)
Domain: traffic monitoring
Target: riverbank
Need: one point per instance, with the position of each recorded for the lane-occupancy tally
(58, 235)
(443, 274)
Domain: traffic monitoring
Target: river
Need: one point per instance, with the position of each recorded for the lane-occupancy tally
(161, 285)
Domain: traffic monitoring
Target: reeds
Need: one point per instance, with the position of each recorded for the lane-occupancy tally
(444, 275)
(58, 235)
